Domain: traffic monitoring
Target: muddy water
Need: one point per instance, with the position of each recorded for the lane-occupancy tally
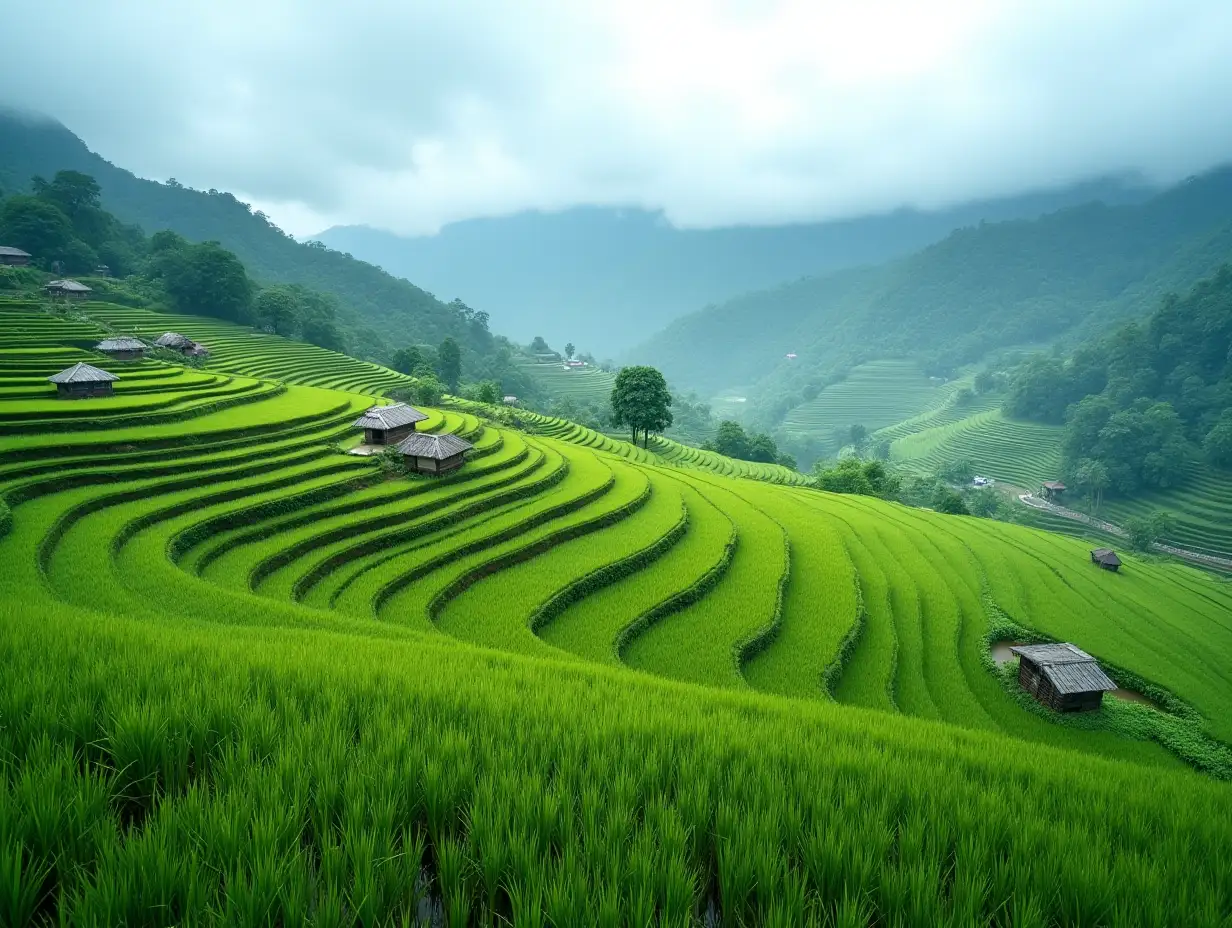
(1001, 651)
(1131, 696)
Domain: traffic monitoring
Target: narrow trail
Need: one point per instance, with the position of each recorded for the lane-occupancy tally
(1198, 557)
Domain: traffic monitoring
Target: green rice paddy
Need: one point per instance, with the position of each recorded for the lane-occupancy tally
(251, 680)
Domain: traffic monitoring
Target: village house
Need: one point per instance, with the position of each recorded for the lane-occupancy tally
(1062, 677)
(174, 341)
(1106, 558)
(388, 425)
(122, 348)
(83, 380)
(1052, 490)
(13, 257)
(67, 290)
(435, 454)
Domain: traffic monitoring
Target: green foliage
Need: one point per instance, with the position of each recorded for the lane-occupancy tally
(276, 310)
(6, 517)
(948, 501)
(569, 348)
(410, 360)
(852, 475)
(204, 279)
(449, 364)
(1144, 531)
(958, 470)
(427, 390)
(1218, 441)
(38, 227)
(641, 401)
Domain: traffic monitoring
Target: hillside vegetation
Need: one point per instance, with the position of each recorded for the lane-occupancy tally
(250, 676)
(984, 287)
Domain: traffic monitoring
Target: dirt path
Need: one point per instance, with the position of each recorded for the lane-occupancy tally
(1211, 560)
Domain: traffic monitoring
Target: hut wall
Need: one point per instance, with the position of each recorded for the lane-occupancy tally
(77, 391)
(452, 463)
(125, 355)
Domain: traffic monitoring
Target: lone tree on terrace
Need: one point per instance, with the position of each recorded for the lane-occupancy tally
(640, 401)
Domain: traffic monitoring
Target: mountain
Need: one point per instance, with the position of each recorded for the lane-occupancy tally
(384, 311)
(603, 278)
(995, 285)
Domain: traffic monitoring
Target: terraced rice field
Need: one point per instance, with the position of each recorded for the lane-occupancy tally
(584, 384)
(1021, 453)
(874, 395)
(250, 680)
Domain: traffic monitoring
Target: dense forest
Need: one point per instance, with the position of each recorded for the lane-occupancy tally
(986, 287)
(1145, 401)
(375, 314)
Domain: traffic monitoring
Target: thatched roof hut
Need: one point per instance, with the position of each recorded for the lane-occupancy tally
(435, 454)
(122, 348)
(82, 380)
(1062, 676)
(388, 425)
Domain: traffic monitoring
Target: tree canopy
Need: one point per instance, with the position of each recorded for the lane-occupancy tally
(641, 401)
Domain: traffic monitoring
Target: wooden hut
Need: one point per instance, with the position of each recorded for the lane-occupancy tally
(388, 425)
(1052, 490)
(1106, 558)
(435, 454)
(67, 290)
(123, 348)
(13, 257)
(1062, 677)
(83, 380)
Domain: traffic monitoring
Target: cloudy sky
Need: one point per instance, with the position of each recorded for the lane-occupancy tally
(407, 114)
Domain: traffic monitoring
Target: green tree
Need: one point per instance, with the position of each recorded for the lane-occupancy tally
(277, 309)
(641, 401)
(71, 191)
(852, 475)
(569, 350)
(488, 391)
(947, 501)
(857, 435)
(427, 390)
(38, 227)
(1218, 441)
(762, 449)
(1145, 531)
(449, 364)
(959, 470)
(730, 440)
(407, 360)
(1092, 476)
(205, 279)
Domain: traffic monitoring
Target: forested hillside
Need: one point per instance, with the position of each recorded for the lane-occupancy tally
(605, 278)
(995, 285)
(379, 313)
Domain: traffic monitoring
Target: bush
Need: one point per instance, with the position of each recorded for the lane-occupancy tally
(1144, 532)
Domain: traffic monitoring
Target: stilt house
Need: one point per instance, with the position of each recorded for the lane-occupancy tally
(1062, 677)
(82, 380)
(123, 348)
(1106, 558)
(388, 425)
(435, 454)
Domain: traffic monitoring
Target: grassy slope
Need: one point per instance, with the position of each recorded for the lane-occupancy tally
(342, 715)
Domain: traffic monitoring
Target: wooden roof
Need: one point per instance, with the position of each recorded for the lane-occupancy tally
(1054, 485)
(122, 343)
(70, 286)
(1070, 669)
(12, 252)
(83, 373)
(389, 417)
(437, 447)
(1106, 556)
(173, 340)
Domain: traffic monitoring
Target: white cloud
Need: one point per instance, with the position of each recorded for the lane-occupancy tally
(410, 115)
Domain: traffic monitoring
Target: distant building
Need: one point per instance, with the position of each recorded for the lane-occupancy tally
(510, 400)
(123, 348)
(83, 380)
(1052, 490)
(67, 290)
(13, 257)
(102, 271)
(791, 355)
(435, 454)
(1062, 677)
(1106, 558)
(388, 425)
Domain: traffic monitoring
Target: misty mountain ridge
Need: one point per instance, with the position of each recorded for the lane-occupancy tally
(604, 278)
(1058, 278)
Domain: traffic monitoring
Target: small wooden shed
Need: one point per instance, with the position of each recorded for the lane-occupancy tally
(1106, 558)
(13, 257)
(435, 454)
(1052, 490)
(123, 348)
(388, 425)
(174, 341)
(67, 290)
(83, 380)
(1061, 676)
